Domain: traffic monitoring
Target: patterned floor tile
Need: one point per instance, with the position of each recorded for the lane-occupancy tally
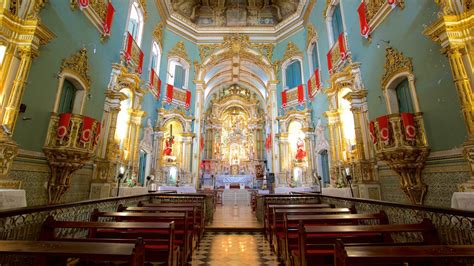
(233, 248)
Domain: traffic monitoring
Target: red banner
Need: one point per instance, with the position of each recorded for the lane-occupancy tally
(63, 125)
(328, 55)
(158, 88)
(169, 93)
(202, 143)
(83, 3)
(372, 132)
(310, 90)
(86, 131)
(140, 62)
(152, 78)
(408, 120)
(128, 47)
(342, 46)
(97, 134)
(268, 142)
(383, 128)
(392, 3)
(109, 18)
(300, 94)
(283, 99)
(188, 99)
(364, 25)
(318, 80)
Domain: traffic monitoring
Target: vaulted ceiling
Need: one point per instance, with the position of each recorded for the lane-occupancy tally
(235, 12)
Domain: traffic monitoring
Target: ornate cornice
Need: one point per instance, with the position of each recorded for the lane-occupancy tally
(179, 50)
(395, 63)
(291, 51)
(78, 64)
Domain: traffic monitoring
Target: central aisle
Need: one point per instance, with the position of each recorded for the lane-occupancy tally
(233, 249)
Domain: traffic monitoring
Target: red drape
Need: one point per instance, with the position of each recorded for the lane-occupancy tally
(328, 55)
(128, 47)
(268, 142)
(109, 18)
(188, 99)
(283, 99)
(317, 79)
(300, 94)
(408, 121)
(372, 132)
(169, 93)
(342, 45)
(140, 62)
(383, 128)
(63, 125)
(97, 134)
(310, 89)
(152, 77)
(86, 131)
(158, 88)
(364, 25)
(83, 3)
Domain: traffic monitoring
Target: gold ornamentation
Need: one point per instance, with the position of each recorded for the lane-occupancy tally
(158, 33)
(373, 7)
(311, 34)
(291, 51)
(8, 151)
(78, 64)
(395, 63)
(206, 50)
(179, 50)
(145, 13)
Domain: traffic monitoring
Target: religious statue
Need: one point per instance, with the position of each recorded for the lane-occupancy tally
(321, 141)
(168, 146)
(300, 153)
(147, 141)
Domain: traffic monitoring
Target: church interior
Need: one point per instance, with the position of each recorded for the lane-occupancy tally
(237, 132)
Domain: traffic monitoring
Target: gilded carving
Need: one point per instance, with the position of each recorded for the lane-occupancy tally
(291, 51)
(179, 50)
(372, 7)
(311, 34)
(158, 33)
(395, 63)
(78, 64)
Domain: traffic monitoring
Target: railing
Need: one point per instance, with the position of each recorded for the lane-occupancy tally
(275, 198)
(337, 54)
(72, 132)
(454, 227)
(133, 54)
(209, 202)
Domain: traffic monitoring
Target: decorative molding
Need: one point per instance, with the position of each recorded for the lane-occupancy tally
(291, 51)
(179, 50)
(143, 4)
(158, 33)
(311, 34)
(395, 63)
(78, 64)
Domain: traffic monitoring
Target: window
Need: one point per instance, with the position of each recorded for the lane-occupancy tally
(135, 22)
(314, 57)
(337, 26)
(179, 76)
(155, 58)
(404, 97)
(293, 74)
(68, 95)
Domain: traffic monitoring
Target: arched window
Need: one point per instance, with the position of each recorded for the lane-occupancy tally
(336, 23)
(293, 74)
(347, 118)
(136, 21)
(405, 103)
(155, 58)
(178, 73)
(68, 95)
(315, 57)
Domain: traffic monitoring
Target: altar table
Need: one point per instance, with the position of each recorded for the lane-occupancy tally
(12, 198)
(463, 201)
(222, 180)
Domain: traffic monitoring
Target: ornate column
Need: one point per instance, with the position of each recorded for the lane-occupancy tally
(453, 31)
(135, 131)
(196, 155)
(334, 137)
(187, 142)
(274, 153)
(158, 144)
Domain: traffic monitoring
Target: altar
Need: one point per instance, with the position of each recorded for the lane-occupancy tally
(222, 180)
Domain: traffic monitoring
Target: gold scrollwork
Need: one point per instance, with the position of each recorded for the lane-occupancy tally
(78, 63)
(395, 63)
(179, 50)
(291, 51)
(158, 33)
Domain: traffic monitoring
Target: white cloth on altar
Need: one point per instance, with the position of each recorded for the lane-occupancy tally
(222, 180)
(12, 198)
(463, 201)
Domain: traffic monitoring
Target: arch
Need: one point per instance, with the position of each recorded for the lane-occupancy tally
(81, 91)
(331, 6)
(312, 48)
(174, 61)
(346, 116)
(136, 21)
(289, 62)
(155, 62)
(391, 93)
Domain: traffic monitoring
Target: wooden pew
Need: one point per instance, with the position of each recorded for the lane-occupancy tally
(276, 229)
(359, 255)
(182, 238)
(289, 241)
(268, 214)
(57, 252)
(158, 237)
(200, 215)
(317, 242)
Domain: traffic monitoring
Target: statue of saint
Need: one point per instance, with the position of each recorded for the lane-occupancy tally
(147, 140)
(300, 153)
(168, 151)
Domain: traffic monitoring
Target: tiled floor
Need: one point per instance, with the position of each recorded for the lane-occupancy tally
(234, 216)
(229, 249)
